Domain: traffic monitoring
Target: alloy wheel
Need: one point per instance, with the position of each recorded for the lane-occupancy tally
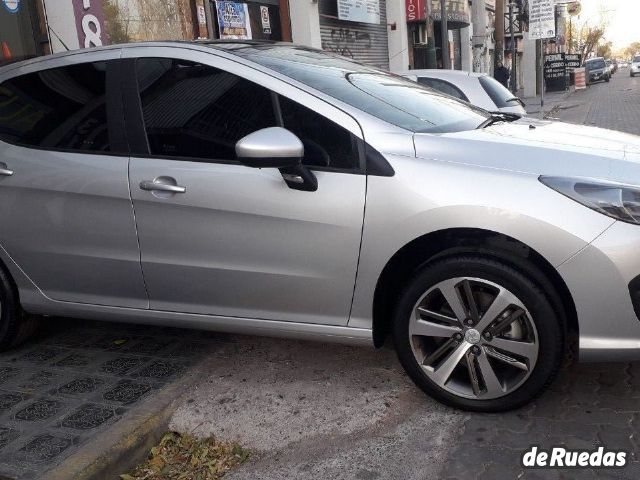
(473, 338)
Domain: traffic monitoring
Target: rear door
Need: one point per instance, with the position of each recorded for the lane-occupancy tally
(65, 209)
(237, 241)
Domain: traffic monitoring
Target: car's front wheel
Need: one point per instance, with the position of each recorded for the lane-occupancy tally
(477, 334)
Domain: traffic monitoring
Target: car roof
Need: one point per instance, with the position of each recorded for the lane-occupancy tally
(442, 73)
(222, 45)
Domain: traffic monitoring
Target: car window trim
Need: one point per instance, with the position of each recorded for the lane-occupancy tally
(113, 106)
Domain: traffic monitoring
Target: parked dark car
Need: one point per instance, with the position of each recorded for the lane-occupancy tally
(597, 70)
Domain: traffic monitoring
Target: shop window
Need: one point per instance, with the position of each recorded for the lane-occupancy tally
(61, 108)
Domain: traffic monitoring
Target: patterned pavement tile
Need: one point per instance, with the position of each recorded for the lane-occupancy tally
(75, 380)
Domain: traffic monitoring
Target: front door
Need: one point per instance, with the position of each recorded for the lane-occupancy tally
(231, 240)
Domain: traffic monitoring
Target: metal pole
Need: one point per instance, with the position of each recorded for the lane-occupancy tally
(542, 84)
(444, 26)
(514, 64)
(431, 37)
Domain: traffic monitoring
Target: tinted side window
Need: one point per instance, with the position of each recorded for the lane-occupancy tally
(199, 112)
(326, 144)
(61, 108)
(444, 87)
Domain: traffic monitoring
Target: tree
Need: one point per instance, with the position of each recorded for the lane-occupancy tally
(117, 21)
(632, 49)
(586, 41)
(604, 50)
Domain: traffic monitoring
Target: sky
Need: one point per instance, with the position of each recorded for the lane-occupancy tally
(623, 16)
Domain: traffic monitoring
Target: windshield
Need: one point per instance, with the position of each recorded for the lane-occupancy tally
(636, 59)
(391, 98)
(595, 64)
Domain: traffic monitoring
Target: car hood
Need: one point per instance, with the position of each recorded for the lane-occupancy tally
(540, 148)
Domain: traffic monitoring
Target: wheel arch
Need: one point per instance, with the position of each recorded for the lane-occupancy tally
(457, 241)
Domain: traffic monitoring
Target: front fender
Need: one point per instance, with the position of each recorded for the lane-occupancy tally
(427, 196)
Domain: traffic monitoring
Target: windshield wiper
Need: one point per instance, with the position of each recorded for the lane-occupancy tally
(499, 117)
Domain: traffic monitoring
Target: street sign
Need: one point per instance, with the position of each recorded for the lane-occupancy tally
(542, 19)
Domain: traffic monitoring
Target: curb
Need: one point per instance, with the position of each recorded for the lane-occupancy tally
(128, 442)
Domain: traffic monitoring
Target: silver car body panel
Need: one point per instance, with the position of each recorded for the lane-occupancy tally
(484, 179)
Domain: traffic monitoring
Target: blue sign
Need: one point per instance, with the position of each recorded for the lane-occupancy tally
(233, 20)
(12, 6)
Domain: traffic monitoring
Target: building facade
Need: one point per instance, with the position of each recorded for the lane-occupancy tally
(389, 34)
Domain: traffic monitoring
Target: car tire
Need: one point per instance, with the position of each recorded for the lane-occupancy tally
(607, 79)
(15, 325)
(542, 325)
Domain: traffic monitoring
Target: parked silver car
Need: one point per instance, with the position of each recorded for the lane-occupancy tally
(271, 189)
(478, 89)
(634, 66)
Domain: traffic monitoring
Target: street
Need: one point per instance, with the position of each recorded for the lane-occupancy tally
(613, 105)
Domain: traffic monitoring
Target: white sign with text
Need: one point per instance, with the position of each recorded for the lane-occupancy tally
(542, 19)
(363, 11)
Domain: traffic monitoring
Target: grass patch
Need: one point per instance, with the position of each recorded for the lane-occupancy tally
(183, 457)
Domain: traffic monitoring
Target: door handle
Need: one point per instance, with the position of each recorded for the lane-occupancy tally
(151, 186)
(4, 171)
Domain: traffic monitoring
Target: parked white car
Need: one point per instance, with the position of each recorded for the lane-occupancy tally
(478, 89)
(635, 66)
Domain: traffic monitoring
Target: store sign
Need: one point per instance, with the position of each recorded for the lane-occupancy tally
(457, 12)
(233, 20)
(12, 6)
(555, 71)
(202, 15)
(542, 19)
(416, 10)
(573, 60)
(89, 22)
(363, 11)
(266, 20)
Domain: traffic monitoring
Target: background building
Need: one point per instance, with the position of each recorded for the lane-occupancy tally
(390, 34)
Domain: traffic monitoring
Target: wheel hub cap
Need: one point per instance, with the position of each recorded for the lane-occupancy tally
(472, 336)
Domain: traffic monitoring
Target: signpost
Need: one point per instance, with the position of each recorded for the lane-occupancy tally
(542, 25)
(542, 19)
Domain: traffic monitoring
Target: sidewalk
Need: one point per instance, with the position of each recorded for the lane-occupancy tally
(552, 102)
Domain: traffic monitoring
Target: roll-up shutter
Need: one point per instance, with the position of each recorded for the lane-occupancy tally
(363, 42)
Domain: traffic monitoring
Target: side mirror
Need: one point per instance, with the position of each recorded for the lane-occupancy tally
(273, 147)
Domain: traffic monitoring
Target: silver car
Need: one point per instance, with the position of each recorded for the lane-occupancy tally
(265, 188)
(478, 89)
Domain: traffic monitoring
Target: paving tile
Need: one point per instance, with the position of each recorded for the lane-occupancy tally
(73, 381)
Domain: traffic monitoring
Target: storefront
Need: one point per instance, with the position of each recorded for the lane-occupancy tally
(356, 29)
(458, 18)
(20, 33)
(251, 19)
